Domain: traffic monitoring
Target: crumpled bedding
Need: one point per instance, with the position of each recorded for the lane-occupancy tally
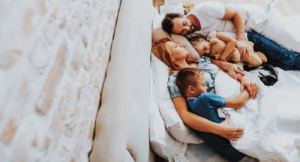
(284, 31)
(271, 122)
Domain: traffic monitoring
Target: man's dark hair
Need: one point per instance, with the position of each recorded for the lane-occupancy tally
(167, 24)
(187, 77)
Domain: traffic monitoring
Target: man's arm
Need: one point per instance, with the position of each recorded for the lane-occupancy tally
(239, 101)
(239, 23)
(201, 124)
(230, 45)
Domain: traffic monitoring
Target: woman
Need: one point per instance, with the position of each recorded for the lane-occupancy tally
(176, 57)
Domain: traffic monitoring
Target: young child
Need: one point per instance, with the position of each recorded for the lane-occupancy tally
(191, 83)
(277, 56)
(202, 45)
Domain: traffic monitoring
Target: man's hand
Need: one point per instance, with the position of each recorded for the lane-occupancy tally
(230, 132)
(250, 85)
(234, 71)
(242, 47)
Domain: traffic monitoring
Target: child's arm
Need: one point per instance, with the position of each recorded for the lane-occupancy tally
(239, 101)
(231, 43)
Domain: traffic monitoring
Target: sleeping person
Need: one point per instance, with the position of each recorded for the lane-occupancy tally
(191, 83)
(277, 56)
(176, 57)
(271, 121)
(211, 16)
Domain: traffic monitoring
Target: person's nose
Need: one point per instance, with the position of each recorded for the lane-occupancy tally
(186, 28)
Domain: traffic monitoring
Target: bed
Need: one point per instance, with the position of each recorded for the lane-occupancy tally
(122, 130)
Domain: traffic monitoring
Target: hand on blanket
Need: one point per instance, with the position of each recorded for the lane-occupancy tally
(250, 85)
(230, 132)
(235, 71)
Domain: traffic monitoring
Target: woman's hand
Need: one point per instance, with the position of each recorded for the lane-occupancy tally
(230, 132)
(250, 85)
(234, 71)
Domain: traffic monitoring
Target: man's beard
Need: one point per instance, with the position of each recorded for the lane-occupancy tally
(192, 28)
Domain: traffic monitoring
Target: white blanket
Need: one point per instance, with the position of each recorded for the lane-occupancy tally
(282, 30)
(271, 122)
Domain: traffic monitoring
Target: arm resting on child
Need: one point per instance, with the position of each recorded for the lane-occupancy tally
(239, 23)
(239, 101)
(233, 70)
(201, 124)
(231, 43)
(237, 73)
(251, 86)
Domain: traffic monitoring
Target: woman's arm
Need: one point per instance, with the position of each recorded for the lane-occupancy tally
(231, 43)
(233, 70)
(239, 101)
(201, 124)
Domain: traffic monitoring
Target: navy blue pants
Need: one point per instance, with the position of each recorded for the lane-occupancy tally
(222, 146)
(277, 56)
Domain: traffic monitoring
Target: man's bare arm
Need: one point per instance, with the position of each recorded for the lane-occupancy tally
(239, 23)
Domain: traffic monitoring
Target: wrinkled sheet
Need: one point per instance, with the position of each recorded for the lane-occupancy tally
(271, 122)
(284, 31)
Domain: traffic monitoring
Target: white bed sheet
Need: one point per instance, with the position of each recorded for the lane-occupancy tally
(282, 126)
(271, 122)
(283, 143)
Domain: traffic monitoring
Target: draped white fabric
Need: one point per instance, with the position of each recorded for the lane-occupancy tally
(271, 122)
(122, 123)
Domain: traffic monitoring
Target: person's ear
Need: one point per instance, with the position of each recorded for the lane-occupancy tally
(191, 89)
(181, 14)
(201, 39)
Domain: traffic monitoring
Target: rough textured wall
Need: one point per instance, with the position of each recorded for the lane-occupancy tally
(53, 59)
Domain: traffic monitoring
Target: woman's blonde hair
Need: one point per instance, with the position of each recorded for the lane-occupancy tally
(162, 52)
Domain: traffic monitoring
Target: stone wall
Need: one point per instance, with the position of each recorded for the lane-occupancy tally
(53, 59)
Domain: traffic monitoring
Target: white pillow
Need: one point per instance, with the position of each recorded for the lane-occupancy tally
(173, 6)
(168, 111)
(158, 33)
(161, 142)
(156, 20)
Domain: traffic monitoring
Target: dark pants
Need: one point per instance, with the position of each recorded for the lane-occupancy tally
(277, 56)
(222, 146)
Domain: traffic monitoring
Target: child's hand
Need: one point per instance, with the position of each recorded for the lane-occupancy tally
(225, 59)
(229, 57)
